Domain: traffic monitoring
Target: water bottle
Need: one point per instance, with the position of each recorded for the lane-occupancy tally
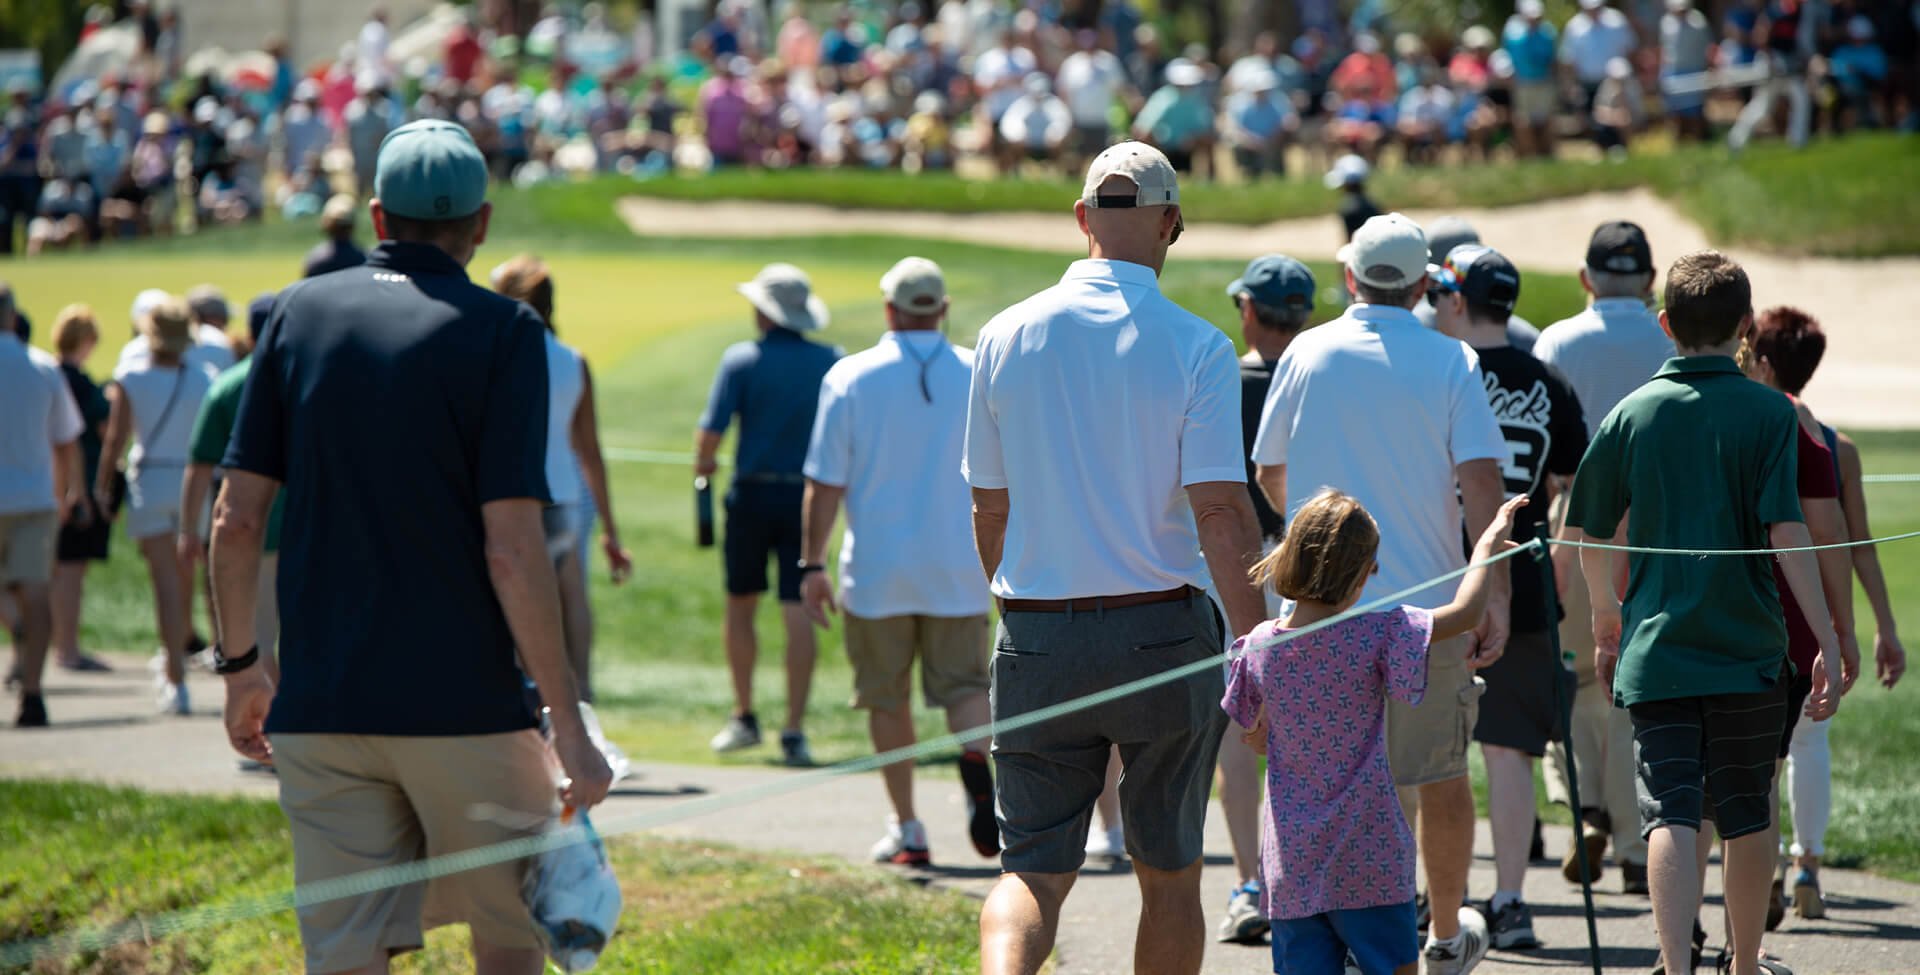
(703, 510)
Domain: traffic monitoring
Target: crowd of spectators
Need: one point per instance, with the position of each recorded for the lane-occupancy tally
(150, 148)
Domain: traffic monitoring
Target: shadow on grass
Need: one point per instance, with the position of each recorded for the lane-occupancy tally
(657, 792)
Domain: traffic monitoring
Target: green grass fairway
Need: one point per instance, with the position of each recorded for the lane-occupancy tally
(654, 317)
(779, 914)
(1850, 197)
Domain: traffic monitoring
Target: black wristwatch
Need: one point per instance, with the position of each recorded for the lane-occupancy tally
(807, 567)
(223, 664)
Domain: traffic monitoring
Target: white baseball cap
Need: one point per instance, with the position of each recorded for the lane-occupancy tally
(1532, 9)
(1182, 73)
(915, 285)
(1592, 4)
(1146, 167)
(783, 293)
(1388, 251)
(1347, 170)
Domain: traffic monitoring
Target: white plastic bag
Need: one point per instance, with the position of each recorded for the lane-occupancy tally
(574, 897)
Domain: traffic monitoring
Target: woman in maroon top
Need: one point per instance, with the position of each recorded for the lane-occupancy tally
(1781, 351)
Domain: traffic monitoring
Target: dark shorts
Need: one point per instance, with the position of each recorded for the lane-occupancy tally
(1720, 750)
(1381, 939)
(1091, 140)
(1519, 709)
(763, 521)
(1798, 690)
(84, 544)
(1052, 772)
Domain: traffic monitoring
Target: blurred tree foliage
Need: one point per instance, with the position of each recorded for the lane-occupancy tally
(51, 27)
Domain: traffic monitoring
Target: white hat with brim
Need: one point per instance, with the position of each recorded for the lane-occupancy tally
(1388, 251)
(783, 294)
(915, 285)
(1182, 73)
(145, 302)
(1347, 170)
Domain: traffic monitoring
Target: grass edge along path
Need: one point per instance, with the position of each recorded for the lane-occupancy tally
(1844, 197)
(779, 913)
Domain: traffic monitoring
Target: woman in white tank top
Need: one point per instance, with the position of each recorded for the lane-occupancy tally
(576, 471)
(153, 404)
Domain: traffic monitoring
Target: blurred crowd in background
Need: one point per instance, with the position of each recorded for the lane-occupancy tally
(148, 138)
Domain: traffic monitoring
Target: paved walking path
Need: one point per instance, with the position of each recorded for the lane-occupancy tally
(1868, 377)
(106, 731)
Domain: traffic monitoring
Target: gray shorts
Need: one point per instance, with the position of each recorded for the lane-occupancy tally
(1052, 772)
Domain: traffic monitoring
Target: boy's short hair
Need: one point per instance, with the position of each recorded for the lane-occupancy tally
(1792, 343)
(1708, 297)
(1330, 547)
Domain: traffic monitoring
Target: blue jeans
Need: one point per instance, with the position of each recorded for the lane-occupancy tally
(1381, 939)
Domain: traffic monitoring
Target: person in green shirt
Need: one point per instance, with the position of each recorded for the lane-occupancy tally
(1705, 459)
(212, 427)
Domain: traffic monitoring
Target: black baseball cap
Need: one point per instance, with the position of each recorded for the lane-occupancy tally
(1619, 247)
(1485, 277)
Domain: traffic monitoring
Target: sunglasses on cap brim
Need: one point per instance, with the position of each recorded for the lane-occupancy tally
(1125, 201)
(1441, 281)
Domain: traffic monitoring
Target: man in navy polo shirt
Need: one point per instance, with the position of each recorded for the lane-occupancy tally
(773, 385)
(391, 400)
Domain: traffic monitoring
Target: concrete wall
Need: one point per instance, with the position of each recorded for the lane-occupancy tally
(315, 29)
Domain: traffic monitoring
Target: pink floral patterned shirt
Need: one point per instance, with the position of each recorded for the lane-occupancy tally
(1335, 839)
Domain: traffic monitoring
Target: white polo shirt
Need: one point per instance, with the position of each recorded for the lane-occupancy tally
(1095, 403)
(908, 548)
(37, 412)
(1606, 352)
(1378, 406)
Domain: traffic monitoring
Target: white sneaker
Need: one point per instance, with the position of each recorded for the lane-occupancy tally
(742, 731)
(172, 698)
(904, 844)
(1467, 951)
(1107, 844)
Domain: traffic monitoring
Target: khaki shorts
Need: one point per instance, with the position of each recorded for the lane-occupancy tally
(26, 547)
(1534, 101)
(1427, 742)
(360, 802)
(953, 652)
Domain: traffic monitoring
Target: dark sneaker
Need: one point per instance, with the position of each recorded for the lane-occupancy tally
(1244, 924)
(1776, 904)
(33, 712)
(794, 751)
(976, 778)
(1537, 850)
(1633, 878)
(1467, 952)
(86, 663)
(1512, 927)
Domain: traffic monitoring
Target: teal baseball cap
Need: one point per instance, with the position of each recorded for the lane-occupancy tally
(430, 170)
(1276, 281)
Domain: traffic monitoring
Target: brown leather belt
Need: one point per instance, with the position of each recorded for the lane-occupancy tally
(1088, 604)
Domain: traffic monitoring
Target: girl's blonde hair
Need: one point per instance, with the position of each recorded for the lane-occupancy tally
(74, 327)
(1330, 547)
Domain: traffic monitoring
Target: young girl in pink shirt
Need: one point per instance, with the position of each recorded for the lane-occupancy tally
(1337, 858)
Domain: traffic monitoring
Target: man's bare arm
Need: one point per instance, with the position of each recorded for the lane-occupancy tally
(990, 507)
(1802, 572)
(1827, 525)
(239, 531)
(529, 594)
(818, 508)
(706, 450)
(1272, 479)
(1230, 541)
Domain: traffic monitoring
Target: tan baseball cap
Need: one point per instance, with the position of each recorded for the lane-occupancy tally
(1147, 168)
(1388, 251)
(915, 285)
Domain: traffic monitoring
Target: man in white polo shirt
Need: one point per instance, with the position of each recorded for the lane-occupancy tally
(1103, 446)
(1607, 351)
(887, 437)
(39, 479)
(1377, 405)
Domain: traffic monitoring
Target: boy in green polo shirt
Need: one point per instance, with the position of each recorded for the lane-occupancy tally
(1705, 458)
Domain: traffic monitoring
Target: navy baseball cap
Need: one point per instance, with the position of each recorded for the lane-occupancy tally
(430, 170)
(1484, 276)
(1620, 247)
(1276, 281)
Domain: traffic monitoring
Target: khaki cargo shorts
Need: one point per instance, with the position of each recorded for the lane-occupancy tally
(360, 802)
(953, 653)
(1427, 742)
(26, 547)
